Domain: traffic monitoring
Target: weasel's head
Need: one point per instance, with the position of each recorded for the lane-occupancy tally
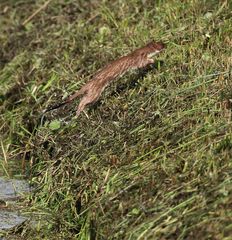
(154, 48)
(146, 53)
(143, 56)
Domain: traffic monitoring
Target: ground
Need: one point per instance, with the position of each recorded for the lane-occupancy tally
(153, 158)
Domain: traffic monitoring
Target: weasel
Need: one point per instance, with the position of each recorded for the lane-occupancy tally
(92, 90)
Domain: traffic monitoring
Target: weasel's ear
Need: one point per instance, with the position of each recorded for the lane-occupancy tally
(151, 43)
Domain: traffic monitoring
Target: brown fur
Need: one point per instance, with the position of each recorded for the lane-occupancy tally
(92, 90)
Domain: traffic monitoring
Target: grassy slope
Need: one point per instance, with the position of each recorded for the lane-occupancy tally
(153, 161)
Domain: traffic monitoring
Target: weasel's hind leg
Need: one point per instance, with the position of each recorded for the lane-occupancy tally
(83, 103)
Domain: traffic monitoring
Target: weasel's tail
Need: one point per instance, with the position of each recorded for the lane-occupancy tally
(54, 107)
(68, 100)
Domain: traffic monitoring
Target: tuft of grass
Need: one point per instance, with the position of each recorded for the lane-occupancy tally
(153, 161)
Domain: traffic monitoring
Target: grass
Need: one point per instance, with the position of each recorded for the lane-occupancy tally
(153, 161)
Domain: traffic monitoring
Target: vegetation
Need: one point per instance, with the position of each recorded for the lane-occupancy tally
(153, 160)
